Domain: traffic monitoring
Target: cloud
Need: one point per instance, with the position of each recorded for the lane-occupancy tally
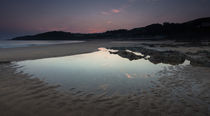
(120, 9)
(115, 11)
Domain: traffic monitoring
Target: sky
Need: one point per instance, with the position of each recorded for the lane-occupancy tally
(22, 17)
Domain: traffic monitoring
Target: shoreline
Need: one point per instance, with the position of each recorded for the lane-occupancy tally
(59, 50)
(184, 92)
(39, 52)
(199, 55)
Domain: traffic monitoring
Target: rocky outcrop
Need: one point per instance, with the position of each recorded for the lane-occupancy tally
(156, 57)
(168, 57)
(201, 58)
(5, 62)
(129, 55)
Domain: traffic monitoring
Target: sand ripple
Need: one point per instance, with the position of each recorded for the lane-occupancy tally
(185, 92)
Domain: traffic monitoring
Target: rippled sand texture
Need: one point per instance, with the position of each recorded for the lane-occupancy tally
(183, 92)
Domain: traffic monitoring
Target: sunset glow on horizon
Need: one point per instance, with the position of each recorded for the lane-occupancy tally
(94, 16)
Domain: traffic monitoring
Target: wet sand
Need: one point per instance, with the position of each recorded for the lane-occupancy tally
(37, 52)
(183, 93)
(180, 91)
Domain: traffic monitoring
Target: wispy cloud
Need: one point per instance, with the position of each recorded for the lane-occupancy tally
(120, 9)
(115, 11)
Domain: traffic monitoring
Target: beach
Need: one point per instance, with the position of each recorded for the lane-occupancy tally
(180, 91)
(104, 58)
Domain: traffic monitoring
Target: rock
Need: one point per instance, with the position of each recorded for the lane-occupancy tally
(129, 55)
(5, 62)
(200, 58)
(168, 57)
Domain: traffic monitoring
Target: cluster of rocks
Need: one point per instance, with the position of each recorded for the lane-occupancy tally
(125, 54)
(4, 62)
(201, 58)
(167, 57)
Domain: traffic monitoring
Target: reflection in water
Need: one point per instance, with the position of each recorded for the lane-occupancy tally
(96, 72)
(129, 76)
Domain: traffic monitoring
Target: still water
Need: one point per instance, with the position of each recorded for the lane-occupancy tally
(97, 72)
(16, 44)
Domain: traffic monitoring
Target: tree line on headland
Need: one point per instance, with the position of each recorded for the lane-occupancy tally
(194, 30)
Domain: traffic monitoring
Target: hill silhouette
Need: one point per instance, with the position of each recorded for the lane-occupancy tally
(192, 30)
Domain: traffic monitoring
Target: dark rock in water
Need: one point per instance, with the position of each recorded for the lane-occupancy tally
(129, 55)
(200, 61)
(200, 58)
(5, 62)
(168, 57)
(203, 53)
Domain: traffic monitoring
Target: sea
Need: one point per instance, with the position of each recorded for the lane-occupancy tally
(17, 44)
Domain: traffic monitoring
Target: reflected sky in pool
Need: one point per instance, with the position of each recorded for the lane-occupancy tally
(96, 72)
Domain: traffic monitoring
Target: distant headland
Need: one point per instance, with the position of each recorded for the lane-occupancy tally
(198, 29)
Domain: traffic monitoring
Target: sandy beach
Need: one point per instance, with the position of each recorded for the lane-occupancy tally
(180, 91)
(17, 54)
(104, 58)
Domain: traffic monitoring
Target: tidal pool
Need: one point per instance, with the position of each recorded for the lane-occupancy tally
(97, 72)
